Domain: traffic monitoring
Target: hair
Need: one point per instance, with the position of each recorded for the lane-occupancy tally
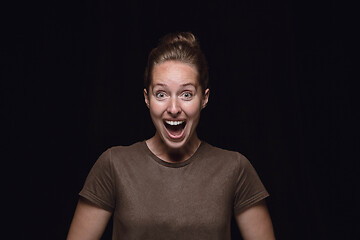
(183, 47)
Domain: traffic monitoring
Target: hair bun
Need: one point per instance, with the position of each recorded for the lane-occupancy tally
(182, 47)
(181, 37)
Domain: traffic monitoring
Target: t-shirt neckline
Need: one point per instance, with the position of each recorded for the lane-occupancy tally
(176, 164)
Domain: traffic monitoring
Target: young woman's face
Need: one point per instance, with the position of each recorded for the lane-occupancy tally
(175, 100)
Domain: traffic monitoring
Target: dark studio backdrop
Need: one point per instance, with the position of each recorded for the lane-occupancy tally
(281, 94)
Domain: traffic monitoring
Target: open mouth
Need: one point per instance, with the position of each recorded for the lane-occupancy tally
(175, 128)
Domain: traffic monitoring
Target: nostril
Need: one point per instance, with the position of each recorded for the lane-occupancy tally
(174, 111)
(174, 108)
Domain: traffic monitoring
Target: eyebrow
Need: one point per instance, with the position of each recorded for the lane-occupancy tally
(187, 84)
(183, 85)
(160, 84)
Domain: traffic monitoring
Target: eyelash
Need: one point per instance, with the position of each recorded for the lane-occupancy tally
(191, 95)
(161, 95)
(158, 93)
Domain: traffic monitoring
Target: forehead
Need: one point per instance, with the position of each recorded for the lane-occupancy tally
(174, 72)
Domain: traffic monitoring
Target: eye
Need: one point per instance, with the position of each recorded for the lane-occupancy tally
(187, 95)
(160, 94)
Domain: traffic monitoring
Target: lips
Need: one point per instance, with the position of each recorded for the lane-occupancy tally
(175, 129)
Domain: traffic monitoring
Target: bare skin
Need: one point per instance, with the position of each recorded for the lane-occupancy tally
(89, 221)
(173, 95)
(255, 223)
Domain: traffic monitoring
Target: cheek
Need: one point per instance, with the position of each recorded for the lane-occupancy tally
(156, 110)
(193, 110)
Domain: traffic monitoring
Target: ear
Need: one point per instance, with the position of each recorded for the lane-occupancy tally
(205, 98)
(146, 97)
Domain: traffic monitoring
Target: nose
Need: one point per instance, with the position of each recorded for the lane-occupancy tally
(174, 107)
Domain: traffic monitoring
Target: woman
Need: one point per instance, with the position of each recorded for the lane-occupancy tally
(173, 185)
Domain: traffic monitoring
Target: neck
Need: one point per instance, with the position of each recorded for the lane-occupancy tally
(162, 151)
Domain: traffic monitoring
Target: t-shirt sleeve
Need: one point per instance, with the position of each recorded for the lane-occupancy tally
(99, 184)
(249, 188)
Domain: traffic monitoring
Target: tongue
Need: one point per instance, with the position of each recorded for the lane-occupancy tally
(174, 130)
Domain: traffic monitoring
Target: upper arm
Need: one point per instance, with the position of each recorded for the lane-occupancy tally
(89, 221)
(255, 223)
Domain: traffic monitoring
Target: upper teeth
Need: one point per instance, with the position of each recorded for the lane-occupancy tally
(174, 122)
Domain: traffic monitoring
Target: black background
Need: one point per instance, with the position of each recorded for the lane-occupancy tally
(282, 93)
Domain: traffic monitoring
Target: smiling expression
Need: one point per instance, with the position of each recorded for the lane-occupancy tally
(175, 100)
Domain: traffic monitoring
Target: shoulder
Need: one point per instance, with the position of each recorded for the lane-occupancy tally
(224, 155)
(135, 148)
(117, 154)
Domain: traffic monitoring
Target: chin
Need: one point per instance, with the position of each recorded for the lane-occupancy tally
(175, 145)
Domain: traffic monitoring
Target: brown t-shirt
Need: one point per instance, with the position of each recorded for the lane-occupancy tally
(153, 199)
